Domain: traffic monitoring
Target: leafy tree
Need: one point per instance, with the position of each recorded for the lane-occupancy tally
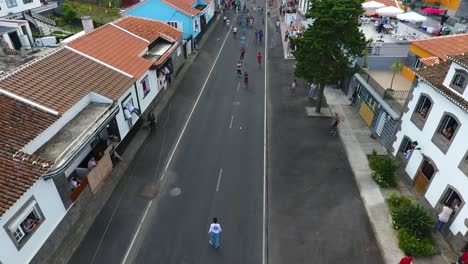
(69, 12)
(397, 66)
(331, 44)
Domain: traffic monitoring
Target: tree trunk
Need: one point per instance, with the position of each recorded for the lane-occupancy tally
(319, 98)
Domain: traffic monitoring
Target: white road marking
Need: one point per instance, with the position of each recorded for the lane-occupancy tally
(194, 106)
(137, 232)
(232, 118)
(238, 86)
(175, 147)
(219, 178)
(264, 246)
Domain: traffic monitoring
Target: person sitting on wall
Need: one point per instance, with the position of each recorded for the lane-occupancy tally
(74, 182)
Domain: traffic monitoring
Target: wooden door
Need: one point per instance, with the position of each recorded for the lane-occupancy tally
(420, 183)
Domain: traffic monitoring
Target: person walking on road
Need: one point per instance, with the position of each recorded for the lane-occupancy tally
(243, 40)
(293, 88)
(246, 79)
(239, 68)
(256, 37)
(277, 25)
(260, 36)
(242, 53)
(259, 59)
(214, 231)
(234, 31)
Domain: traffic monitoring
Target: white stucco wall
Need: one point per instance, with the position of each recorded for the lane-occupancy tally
(153, 85)
(52, 207)
(448, 163)
(19, 8)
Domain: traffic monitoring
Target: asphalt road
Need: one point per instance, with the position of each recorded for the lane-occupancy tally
(216, 170)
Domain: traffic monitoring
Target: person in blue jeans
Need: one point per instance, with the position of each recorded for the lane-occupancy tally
(214, 231)
(444, 216)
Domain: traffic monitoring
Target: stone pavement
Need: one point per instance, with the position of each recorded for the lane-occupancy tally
(357, 142)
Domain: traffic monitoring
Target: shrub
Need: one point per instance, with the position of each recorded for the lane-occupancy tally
(383, 169)
(395, 201)
(414, 218)
(414, 246)
(69, 12)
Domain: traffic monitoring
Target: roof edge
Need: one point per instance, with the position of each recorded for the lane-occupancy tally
(28, 102)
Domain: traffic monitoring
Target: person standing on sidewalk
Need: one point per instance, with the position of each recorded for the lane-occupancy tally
(293, 88)
(214, 231)
(407, 259)
(312, 89)
(443, 217)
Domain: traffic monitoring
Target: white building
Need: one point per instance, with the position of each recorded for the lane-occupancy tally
(57, 113)
(9, 7)
(436, 118)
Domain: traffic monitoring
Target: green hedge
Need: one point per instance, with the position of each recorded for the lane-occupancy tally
(415, 247)
(383, 169)
(414, 225)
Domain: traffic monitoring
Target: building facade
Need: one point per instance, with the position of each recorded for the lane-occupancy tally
(431, 141)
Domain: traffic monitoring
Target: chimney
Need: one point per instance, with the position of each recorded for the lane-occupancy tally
(87, 24)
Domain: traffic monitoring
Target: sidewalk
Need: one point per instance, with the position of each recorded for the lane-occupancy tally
(357, 142)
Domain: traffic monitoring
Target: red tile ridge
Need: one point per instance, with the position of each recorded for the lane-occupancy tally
(128, 32)
(99, 61)
(148, 19)
(194, 11)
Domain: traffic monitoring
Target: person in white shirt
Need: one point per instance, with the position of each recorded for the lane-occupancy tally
(214, 231)
(443, 217)
(128, 117)
(92, 163)
(132, 109)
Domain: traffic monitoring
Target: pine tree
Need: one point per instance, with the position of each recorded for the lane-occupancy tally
(331, 44)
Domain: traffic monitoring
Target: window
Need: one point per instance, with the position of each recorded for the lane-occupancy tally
(448, 127)
(446, 131)
(27, 1)
(172, 24)
(423, 106)
(23, 225)
(459, 81)
(145, 86)
(464, 164)
(11, 3)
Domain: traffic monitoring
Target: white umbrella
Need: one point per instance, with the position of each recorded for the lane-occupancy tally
(389, 11)
(372, 5)
(411, 17)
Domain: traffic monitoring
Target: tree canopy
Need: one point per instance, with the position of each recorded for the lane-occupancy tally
(331, 44)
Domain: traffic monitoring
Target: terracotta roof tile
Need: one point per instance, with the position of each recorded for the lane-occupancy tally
(435, 75)
(58, 81)
(114, 47)
(148, 29)
(184, 6)
(19, 124)
(443, 45)
(429, 61)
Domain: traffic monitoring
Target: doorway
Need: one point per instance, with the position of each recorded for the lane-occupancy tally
(15, 40)
(424, 177)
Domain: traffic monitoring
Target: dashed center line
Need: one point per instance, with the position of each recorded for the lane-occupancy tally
(219, 178)
(232, 118)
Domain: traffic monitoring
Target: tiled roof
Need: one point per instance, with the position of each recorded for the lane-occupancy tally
(116, 48)
(443, 45)
(19, 124)
(435, 75)
(461, 59)
(58, 81)
(184, 6)
(148, 29)
(429, 61)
